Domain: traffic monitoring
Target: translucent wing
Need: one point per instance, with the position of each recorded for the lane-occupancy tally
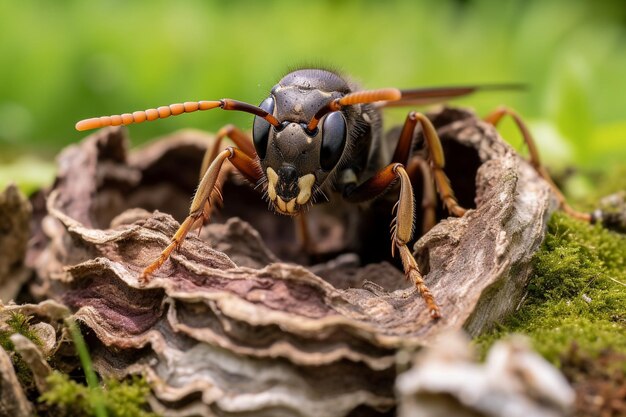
(429, 95)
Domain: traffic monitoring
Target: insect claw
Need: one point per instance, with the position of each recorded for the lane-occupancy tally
(435, 313)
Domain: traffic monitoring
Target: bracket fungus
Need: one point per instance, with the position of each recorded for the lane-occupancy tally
(239, 321)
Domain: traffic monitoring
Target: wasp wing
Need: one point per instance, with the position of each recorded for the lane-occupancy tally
(430, 95)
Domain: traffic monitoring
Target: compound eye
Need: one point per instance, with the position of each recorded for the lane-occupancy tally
(333, 140)
(261, 128)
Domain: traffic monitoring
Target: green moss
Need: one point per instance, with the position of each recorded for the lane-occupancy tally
(18, 323)
(576, 294)
(121, 399)
(128, 398)
(66, 396)
(113, 398)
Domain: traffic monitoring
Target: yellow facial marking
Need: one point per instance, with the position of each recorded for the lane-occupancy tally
(305, 183)
(272, 178)
(282, 206)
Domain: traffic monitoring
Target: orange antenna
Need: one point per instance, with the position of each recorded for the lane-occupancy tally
(173, 110)
(359, 97)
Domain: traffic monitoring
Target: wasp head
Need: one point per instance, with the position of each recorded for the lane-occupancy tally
(296, 161)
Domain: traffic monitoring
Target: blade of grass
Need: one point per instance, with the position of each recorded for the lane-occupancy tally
(90, 375)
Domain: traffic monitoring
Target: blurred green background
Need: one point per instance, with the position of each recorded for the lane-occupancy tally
(67, 60)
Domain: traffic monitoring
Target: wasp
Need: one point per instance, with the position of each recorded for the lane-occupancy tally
(318, 133)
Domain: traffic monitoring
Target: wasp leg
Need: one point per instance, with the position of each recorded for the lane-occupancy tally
(403, 224)
(206, 189)
(495, 117)
(416, 168)
(241, 141)
(303, 234)
(239, 138)
(436, 158)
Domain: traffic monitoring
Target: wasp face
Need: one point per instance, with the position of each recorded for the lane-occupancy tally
(291, 168)
(295, 160)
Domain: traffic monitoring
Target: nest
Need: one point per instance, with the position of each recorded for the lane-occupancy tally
(240, 321)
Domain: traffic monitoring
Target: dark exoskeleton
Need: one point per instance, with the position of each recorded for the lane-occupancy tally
(318, 132)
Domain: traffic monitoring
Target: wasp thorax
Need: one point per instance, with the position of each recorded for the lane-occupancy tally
(286, 190)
